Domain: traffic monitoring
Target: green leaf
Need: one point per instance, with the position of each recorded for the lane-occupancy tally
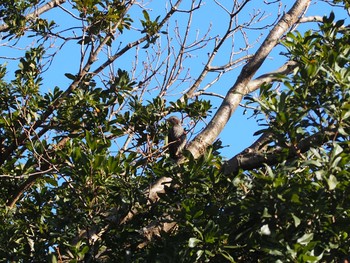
(296, 220)
(340, 23)
(265, 230)
(346, 115)
(192, 242)
(70, 76)
(332, 182)
(145, 15)
(305, 239)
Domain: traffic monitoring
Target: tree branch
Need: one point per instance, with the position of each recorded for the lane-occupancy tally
(8, 176)
(252, 157)
(234, 96)
(255, 84)
(158, 187)
(58, 101)
(152, 194)
(118, 54)
(36, 13)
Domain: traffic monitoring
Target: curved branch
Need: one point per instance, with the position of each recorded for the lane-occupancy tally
(287, 68)
(253, 158)
(152, 194)
(22, 188)
(234, 96)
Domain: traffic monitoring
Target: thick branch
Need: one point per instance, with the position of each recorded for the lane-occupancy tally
(253, 158)
(286, 69)
(38, 12)
(22, 188)
(152, 194)
(248, 71)
(240, 88)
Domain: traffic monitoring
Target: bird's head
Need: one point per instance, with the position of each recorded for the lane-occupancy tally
(173, 121)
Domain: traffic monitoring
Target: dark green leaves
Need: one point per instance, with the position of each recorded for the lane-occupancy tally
(151, 28)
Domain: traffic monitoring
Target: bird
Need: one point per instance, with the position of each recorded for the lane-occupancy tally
(176, 137)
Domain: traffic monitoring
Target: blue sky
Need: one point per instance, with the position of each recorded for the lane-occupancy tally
(239, 131)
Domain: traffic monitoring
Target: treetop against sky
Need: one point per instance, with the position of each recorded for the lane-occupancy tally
(201, 30)
(93, 163)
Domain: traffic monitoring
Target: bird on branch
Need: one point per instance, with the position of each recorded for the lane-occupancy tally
(176, 137)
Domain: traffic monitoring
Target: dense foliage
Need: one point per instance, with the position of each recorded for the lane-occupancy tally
(78, 164)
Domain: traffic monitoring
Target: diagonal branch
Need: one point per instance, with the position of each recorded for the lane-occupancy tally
(36, 13)
(234, 96)
(130, 45)
(200, 142)
(57, 102)
(253, 158)
(286, 69)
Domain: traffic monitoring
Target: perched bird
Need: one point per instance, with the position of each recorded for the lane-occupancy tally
(176, 137)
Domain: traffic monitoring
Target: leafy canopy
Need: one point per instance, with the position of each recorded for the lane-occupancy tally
(69, 194)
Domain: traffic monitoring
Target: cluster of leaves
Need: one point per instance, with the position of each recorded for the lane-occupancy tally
(315, 99)
(102, 16)
(151, 28)
(15, 15)
(196, 109)
(21, 103)
(52, 216)
(288, 213)
(303, 202)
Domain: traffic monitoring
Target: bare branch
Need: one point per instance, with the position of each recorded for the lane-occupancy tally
(7, 176)
(272, 76)
(234, 96)
(135, 43)
(56, 103)
(311, 19)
